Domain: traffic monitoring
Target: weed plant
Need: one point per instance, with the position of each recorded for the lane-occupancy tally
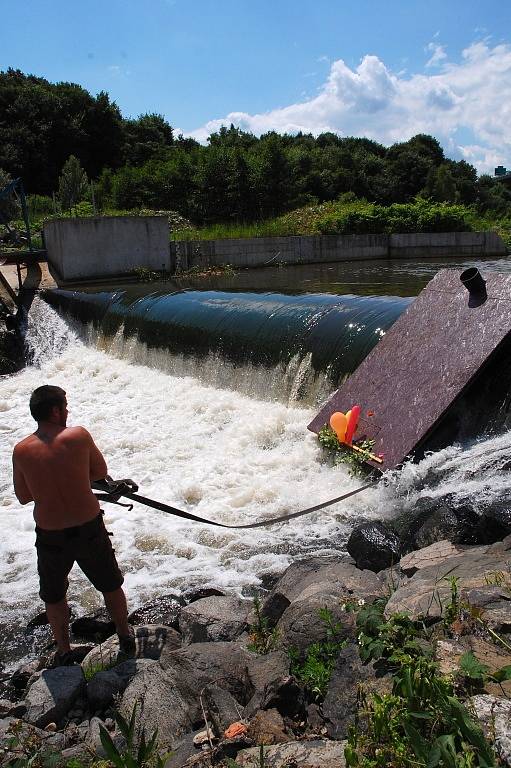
(145, 754)
(421, 722)
(263, 638)
(315, 670)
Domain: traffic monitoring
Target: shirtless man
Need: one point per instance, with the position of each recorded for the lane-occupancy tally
(54, 468)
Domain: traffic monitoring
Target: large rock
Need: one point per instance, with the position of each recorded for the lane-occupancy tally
(19, 680)
(214, 619)
(170, 689)
(449, 652)
(93, 738)
(102, 689)
(96, 626)
(374, 546)
(266, 674)
(497, 520)
(429, 591)
(163, 610)
(429, 556)
(341, 700)
(222, 709)
(340, 573)
(300, 754)
(267, 727)
(52, 695)
(301, 625)
(150, 642)
(494, 714)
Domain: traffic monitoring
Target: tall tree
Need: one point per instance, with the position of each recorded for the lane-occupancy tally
(145, 137)
(73, 183)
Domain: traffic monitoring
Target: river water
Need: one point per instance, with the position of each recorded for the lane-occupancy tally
(201, 445)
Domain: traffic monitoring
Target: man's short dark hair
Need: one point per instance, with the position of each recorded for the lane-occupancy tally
(44, 399)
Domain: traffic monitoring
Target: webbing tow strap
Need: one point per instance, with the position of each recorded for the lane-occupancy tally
(189, 516)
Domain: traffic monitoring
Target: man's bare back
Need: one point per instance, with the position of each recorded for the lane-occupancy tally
(54, 468)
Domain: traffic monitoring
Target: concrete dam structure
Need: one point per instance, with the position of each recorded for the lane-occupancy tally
(80, 250)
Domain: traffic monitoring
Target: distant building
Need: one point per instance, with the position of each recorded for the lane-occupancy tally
(500, 170)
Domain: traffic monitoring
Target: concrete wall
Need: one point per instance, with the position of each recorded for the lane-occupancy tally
(81, 249)
(267, 251)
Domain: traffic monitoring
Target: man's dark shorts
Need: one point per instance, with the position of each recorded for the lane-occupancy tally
(88, 545)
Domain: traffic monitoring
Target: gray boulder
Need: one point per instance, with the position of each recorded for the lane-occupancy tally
(93, 738)
(341, 573)
(432, 555)
(214, 619)
(301, 625)
(102, 688)
(170, 689)
(150, 639)
(265, 673)
(428, 591)
(52, 695)
(19, 680)
(222, 709)
(320, 753)
(96, 626)
(341, 700)
(494, 715)
(374, 546)
(164, 610)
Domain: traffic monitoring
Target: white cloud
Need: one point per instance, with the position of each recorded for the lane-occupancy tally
(466, 105)
(438, 54)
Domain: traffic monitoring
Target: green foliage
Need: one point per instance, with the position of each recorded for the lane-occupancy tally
(387, 640)
(263, 638)
(93, 669)
(315, 670)
(138, 753)
(26, 749)
(39, 206)
(419, 216)
(421, 722)
(453, 608)
(343, 454)
(238, 179)
(73, 184)
(145, 274)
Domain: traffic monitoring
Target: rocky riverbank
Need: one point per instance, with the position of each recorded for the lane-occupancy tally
(221, 679)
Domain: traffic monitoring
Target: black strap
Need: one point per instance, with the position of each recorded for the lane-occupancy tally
(189, 516)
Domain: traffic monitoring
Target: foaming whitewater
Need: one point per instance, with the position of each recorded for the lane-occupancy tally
(212, 451)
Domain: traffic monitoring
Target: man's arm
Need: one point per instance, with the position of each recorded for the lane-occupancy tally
(97, 464)
(20, 486)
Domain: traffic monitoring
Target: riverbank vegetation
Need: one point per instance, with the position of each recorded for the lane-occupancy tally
(238, 185)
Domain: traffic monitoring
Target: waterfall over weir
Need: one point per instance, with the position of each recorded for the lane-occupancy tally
(202, 446)
(304, 344)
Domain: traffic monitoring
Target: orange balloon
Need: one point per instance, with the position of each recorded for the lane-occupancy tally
(339, 422)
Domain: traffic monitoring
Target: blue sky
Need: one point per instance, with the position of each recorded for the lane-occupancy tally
(382, 69)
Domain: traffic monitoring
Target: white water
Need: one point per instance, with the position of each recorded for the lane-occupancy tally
(215, 452)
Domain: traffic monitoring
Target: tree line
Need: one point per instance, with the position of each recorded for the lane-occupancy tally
(236, 177)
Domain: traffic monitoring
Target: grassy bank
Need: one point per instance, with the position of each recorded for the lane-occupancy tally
(341, 217)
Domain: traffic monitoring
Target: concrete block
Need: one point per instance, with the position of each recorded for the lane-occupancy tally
(80, 249)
